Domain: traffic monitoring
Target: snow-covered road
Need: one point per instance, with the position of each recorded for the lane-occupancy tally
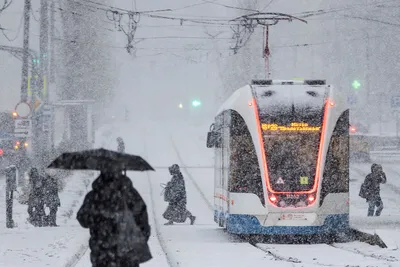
(204, 244)
(26, 245)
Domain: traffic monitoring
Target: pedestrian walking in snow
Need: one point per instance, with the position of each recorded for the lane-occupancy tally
(121, 145)
(175, 195)
(117, 218)
(370, 189)
(51, 199)
(36, 198)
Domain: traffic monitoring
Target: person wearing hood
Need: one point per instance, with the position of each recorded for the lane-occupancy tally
(117, 218)
(175, 194)
(36, 198)
(51, 197)
(121, 145)
(372, 189)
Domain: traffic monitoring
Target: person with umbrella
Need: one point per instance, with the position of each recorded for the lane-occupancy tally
(113, 210)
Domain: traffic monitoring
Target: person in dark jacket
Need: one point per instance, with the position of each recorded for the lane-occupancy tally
(121, 145)
(51, 199)
(372, 186)
(176, 210)
(35, 199)
(117, 218)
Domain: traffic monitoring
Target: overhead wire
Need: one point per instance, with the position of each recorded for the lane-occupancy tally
(6, 4)
(18, 30)
(215, 21)
(265, 7)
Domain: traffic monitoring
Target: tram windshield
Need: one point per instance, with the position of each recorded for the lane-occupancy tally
(291, 146)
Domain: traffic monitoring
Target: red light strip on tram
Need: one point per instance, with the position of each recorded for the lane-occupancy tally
(264, 158)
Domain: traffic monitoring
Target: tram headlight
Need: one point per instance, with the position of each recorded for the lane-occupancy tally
(273, 198)
(311, 198)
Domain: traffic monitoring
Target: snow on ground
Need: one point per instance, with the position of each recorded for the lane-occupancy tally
(27, 245)
(205, 244)
(191, 146)
(387, 226)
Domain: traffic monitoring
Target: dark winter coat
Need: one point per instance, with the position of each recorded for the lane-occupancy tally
(176, 210)
(105, 200)
(51, 197)
(372, 185)
(177, 189)
(36, 192)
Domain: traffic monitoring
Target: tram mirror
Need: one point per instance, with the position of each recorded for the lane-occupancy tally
(211, 139)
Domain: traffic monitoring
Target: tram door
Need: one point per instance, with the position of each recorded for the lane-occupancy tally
(226, 159)
(218, 169)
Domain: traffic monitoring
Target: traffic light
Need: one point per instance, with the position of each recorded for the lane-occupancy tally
(356, 84)
(35, 61)
(180, 105)
(196, 103)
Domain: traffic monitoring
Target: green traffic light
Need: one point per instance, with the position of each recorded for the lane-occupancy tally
(356, 84)
(196, 103)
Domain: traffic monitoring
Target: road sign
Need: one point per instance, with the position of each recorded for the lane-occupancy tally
(23, 133)
(23, 124)
(23, 109)
(395, 103)
(38, 103)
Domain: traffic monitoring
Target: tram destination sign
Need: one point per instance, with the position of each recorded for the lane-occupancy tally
(293, 127)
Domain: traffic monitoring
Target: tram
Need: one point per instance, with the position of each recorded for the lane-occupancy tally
(282, 159)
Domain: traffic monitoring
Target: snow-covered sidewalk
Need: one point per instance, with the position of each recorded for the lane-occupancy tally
(27, 245)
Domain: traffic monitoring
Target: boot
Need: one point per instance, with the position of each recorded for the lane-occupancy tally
(192, 219)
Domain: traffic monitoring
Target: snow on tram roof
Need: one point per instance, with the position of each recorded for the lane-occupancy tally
(245, 91)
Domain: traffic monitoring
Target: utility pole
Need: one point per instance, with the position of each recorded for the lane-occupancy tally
(25, 57)
(52, 40)
(41, 120)
(44, 46)
(52, 78)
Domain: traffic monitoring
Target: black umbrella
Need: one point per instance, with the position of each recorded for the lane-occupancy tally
(100, 159)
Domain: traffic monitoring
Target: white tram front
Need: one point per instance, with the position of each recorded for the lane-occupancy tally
(282, 159)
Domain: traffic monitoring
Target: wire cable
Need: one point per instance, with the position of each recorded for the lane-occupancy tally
(18, 31)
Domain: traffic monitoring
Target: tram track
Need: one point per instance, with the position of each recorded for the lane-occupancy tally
(359, 252)
(210, 206)
(171, 261)
(276, 255)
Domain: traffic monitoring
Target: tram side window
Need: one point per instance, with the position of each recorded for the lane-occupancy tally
(245, 175)
(336, 172)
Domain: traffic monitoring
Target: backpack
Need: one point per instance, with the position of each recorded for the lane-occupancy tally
(363, 191)
(168, 192)
(129, 235)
